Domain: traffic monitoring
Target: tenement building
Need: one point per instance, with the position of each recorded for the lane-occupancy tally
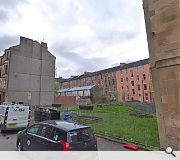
(126, 82)
(27, 73)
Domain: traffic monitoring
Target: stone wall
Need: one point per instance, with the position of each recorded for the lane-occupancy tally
(162, 19)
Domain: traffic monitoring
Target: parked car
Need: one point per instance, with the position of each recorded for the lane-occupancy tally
(55, 135)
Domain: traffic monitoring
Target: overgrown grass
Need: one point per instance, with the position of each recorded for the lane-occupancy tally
(116, 122)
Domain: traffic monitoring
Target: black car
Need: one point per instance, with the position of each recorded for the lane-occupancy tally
(55, 135)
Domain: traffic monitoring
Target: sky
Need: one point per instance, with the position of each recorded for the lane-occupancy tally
(84, 35)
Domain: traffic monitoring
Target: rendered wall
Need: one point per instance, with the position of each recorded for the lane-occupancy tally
(32, 71)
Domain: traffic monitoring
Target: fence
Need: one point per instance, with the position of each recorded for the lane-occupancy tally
(147, 108)
(43, 114)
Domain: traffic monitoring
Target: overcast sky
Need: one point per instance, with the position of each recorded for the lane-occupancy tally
(84, 35)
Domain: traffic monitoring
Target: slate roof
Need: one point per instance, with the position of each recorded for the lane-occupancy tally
(77, 89)
(113, 69)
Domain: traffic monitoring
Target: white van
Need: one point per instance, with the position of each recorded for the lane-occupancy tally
(14, 116)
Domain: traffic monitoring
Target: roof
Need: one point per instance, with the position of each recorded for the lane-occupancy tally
(108, 70)
(77, 89)
(66, 126)
(137, 63)
(63, 90)
(81, 88)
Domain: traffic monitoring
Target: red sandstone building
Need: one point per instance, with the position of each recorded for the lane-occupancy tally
(126, 82)
(134, 82)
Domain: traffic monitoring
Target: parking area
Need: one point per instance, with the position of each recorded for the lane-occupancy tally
(8, 143)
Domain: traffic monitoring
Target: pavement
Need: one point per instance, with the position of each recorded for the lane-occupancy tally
(8, 143)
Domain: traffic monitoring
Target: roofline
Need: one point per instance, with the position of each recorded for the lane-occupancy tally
(71, 89)
(112, 69)
(64, 129)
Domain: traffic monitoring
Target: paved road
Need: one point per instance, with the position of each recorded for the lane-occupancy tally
(106, 145)
(8, 143)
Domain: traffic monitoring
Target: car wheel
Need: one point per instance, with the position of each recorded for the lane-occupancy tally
(19, 146)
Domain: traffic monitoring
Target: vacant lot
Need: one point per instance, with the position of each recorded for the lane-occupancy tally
(116, 122)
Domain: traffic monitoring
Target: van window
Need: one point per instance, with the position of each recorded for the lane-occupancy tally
(80, 135)
(33, 129)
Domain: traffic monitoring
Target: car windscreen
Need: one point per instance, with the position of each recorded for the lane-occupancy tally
(80, 135)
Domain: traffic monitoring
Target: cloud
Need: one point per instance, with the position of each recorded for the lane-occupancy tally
(73, 63)
(3, 15)
(11, 3)
(7, 41)
(84, 35)
(8, 9)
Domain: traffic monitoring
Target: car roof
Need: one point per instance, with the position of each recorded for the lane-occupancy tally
(65, 126)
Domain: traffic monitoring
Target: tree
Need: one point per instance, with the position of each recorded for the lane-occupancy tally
(57, 87)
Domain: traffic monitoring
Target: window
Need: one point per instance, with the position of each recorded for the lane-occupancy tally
(143, 68)
(122, 87)
(146, 96)
(121, 71)
(139, 87)
(46, 131)
(6, 69)
(57, 135)
(139, 95)
(138, 77)
(145, 86)
(80, 135)
(121, 79)
(92, 82)
(113, 81)
(126, 71)
(128, 96)
(131, 73)
(132, 83)
(33, 129)
(127, 87)
(133, 91)
(144, 77)
(126, 79)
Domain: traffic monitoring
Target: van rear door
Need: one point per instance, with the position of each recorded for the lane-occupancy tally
(2, 114)
(17, 117)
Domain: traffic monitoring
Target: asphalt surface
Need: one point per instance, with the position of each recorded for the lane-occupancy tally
(8, 143)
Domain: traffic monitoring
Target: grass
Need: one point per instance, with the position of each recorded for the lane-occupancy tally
(117, 123)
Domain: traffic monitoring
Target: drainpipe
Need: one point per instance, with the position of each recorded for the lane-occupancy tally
(40, 78)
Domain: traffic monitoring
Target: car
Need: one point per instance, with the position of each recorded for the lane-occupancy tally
(56, 135)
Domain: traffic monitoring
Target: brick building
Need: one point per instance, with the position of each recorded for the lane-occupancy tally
(134, 82)
(104, 79)
(109, 80)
